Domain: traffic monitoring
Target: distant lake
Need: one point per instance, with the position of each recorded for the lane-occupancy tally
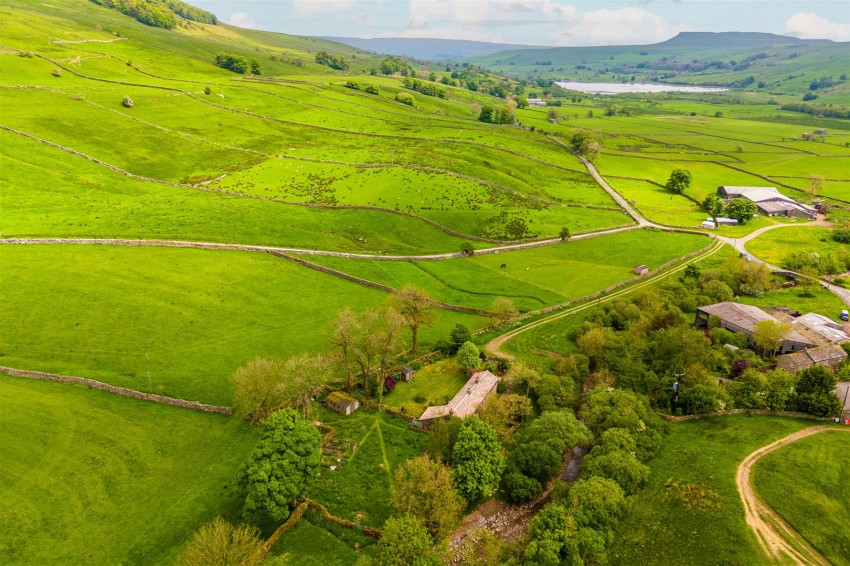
(621, 88)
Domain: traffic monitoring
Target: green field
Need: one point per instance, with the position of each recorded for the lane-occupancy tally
(704, 517)
(814, 501)
(774, 246)
(187, 318)
(89, 477)
(532, 278)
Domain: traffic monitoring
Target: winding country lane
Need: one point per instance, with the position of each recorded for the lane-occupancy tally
(494, 345)
(777, 539)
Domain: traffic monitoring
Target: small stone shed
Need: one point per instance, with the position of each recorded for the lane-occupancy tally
(407, 373)
(342, 403)
(641, 270)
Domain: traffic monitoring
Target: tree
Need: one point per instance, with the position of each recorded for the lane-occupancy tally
(769, 334)
(466, 248)
(564, 234)
(467, 356)
(460, 334)
(523, 374)
(416, 308)
(281, 466)
(503, 311)
(255, 67)
(220, 543)
(404, 542)
(590, 149)
(816, 392)
(423, 490)
(741, 209)
(405, 98)
(385, 331)
(258, 388)
(814, 184)
(592, 344)
(713, 205)
(477, 460)
(617, 465)
(302, 377)
(680, 179)
(343, 338)
(481, 547)
(442, 437)
(551, 540)
(601, 500)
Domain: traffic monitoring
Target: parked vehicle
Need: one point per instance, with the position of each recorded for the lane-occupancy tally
(845, 315)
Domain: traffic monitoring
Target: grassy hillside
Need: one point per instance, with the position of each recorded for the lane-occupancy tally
(778, 63)
(703, 517)
(94, 478)
(814, 507)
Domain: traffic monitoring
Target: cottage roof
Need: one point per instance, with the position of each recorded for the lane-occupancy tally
(794, 362)
(467, 400)
(746, 317)
(826, 353)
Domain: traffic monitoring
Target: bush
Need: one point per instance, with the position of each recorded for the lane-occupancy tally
(617, 465)
(405, 98)
(127, 102)
(337, 62)
(467, 356)
(220, 542)
(56, 73)
(841, 235)
(372, 89)
(235, 63)
(352, 85)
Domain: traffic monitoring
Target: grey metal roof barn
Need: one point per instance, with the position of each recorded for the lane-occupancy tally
(743, 319)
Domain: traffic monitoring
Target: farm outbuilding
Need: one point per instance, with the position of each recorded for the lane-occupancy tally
(829, 356)
(407, 373)
(742, 319)
(641, 270)
(342, 403)
(769, 201)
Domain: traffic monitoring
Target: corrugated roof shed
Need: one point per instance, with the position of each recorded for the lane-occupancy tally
(746, 317)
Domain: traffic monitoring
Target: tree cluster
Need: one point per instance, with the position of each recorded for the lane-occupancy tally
(494, 115)
(405, 98)
(425, 87)
(237, 64)
(337, 62)
(159, 13)
(396, 65)
(536, 453)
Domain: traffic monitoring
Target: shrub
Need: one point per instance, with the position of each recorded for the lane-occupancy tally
(405, 98)
(235, 63)
(207, 90)
(56, 73)
(220, 542)
(127, 102)
(466, 248)
(841, 235)
(372, 89)
(352, 85)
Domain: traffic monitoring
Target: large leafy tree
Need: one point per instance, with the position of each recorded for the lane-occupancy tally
(680, 179)
(404, 542)
(281, 466)
(816, 392)
(741, 209)
(423, 489)
(477, 459)
(416, 308)
(467, 356)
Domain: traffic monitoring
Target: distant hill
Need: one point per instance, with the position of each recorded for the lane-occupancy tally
(430, 49)
(734, 59)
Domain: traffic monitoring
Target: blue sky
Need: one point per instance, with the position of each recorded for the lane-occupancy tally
(537, 22)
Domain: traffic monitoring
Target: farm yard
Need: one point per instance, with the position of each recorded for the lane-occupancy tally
(183, 230)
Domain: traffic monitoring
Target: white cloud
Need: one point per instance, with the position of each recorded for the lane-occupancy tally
(243, 20)
(808, 25)
(621, 27)
(305, 7)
